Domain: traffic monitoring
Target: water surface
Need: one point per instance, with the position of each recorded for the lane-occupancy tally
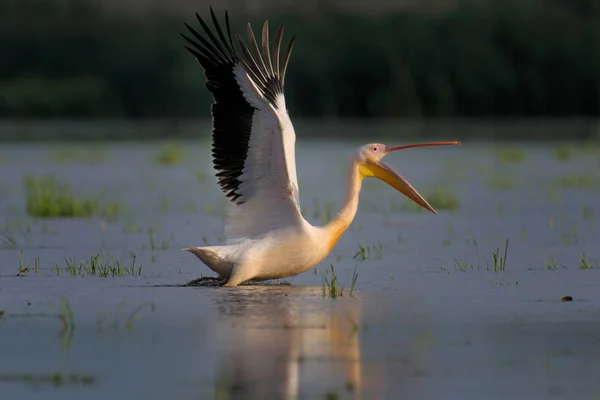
(429, 314)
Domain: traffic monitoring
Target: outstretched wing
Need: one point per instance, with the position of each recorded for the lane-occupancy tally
(253, 137)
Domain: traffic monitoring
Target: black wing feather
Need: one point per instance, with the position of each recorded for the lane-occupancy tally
(232, 114)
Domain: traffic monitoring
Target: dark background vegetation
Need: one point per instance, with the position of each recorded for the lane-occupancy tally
(505, 58)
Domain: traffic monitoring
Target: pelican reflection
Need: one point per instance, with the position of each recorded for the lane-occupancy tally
(288, 342)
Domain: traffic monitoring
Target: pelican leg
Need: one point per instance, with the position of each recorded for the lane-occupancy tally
(238, 276)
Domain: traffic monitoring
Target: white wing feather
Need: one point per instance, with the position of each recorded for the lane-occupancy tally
(269, 186)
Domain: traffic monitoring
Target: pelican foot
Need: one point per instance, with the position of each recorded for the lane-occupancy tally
(207, 281)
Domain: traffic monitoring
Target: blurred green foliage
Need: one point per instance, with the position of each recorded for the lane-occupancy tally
(70, 58)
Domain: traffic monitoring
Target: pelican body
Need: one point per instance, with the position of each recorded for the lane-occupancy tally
(254, 158)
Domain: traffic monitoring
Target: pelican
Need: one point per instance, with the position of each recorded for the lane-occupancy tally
(253, 142)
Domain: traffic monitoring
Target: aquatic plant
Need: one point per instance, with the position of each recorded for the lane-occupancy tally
(21, 226)
(25, 269)
(571, 236)
(587, 213)
(511, 155)
(461, 265)
(499, 261)
(170, 154)
(552, 194)
(500, 210)
(442, 198)
(54, 379)
(202, 176)
(331, 287)
(584, 263)
(156, 246)
(67, 316)
(584, 181)
(72, 154)
(551, 264)
(100, 264)
(364, 251)
(105, 322)
(332, 395)
(65, 154)
(47, 197)
(353, 283)
(4, 189)
(217, 209)
(501, 183)
(563, 153)
(165, 205)
(133, 228)
(396, 205)
(500, 282)
(323, 212)
(9, 239)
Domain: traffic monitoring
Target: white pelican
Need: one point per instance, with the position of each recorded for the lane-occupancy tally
(254, 157)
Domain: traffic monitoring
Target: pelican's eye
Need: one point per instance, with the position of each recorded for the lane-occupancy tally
(375, 149)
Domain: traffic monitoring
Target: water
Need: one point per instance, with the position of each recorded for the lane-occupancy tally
(417, 327)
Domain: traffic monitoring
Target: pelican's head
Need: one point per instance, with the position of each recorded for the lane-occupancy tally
(370, 165)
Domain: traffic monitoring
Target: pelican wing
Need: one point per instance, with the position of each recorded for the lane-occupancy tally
(253, 137)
